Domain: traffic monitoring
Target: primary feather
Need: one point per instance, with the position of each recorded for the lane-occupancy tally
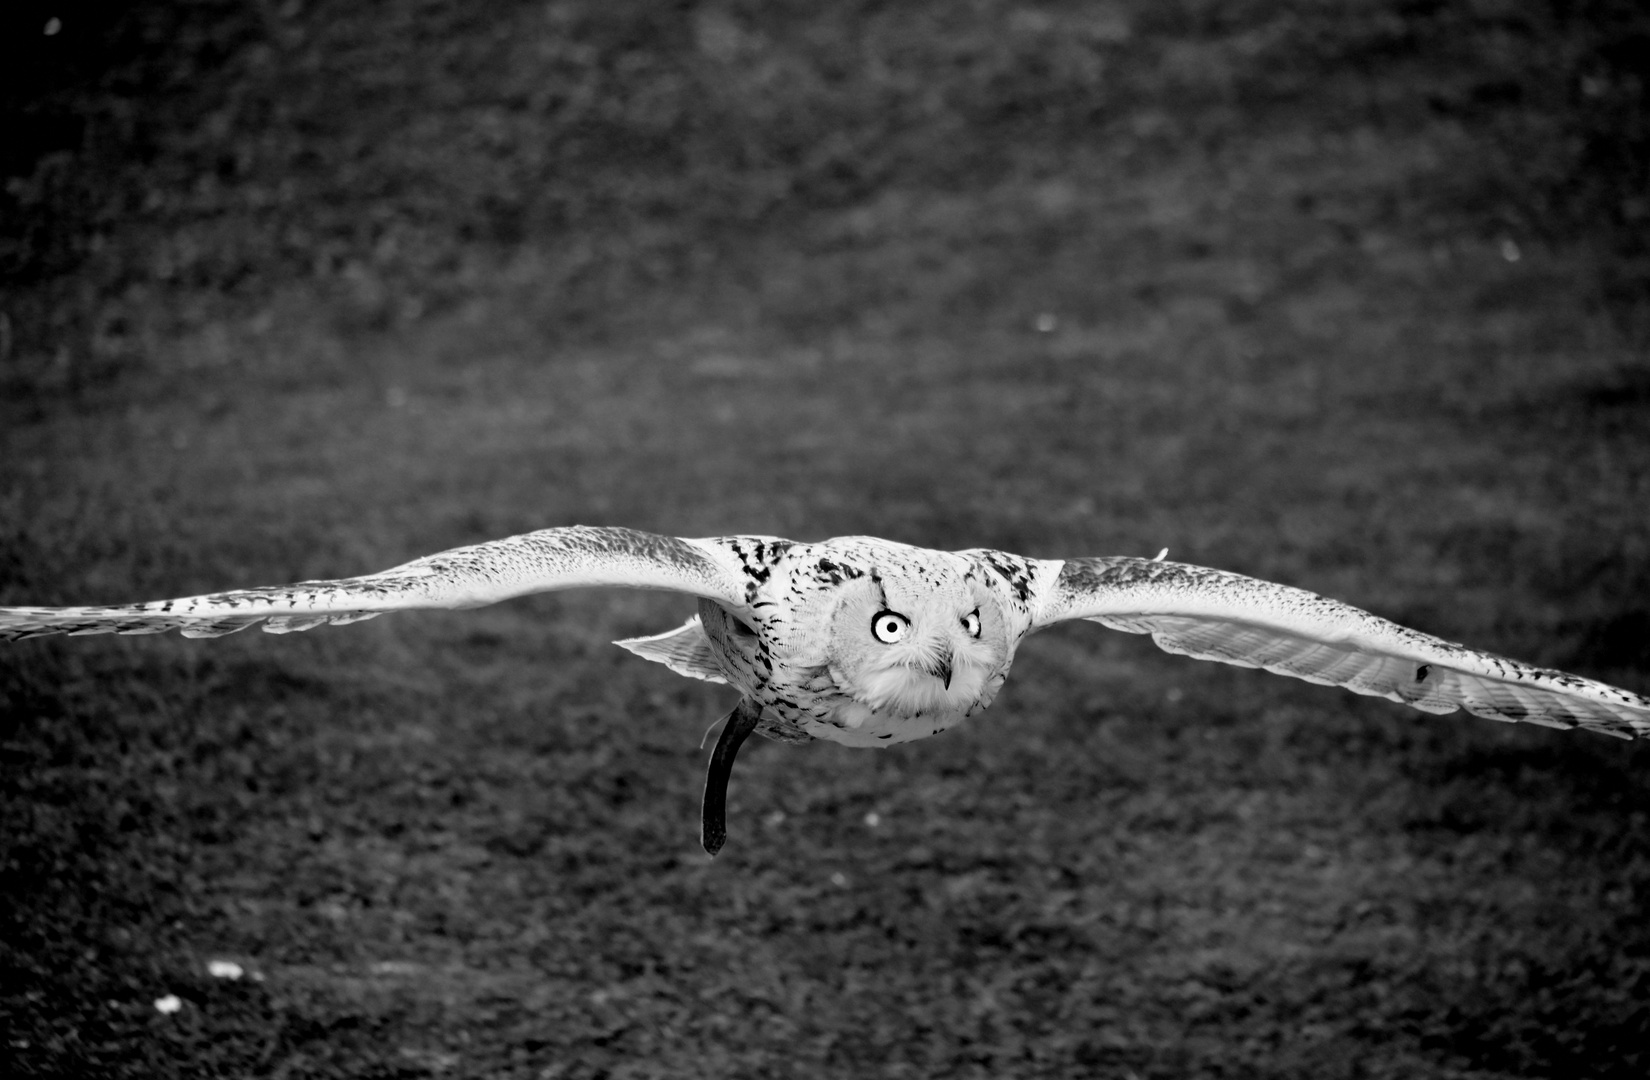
(463, 577)
(1214, 615)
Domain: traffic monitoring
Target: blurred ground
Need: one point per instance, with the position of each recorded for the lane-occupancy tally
(1346, 295)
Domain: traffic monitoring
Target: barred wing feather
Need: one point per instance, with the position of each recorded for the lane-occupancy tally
(1214, 615)
(463, 577)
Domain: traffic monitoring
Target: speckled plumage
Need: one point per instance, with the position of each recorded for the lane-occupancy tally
(790, 626)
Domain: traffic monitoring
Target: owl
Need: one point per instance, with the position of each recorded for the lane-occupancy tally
(869, 642)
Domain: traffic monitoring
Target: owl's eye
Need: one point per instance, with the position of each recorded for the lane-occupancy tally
(889, 626)
(971, 623)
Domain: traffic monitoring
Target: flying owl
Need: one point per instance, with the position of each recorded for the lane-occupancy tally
(868, 642)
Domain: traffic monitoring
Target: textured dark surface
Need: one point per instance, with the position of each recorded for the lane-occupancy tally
(1339, 295)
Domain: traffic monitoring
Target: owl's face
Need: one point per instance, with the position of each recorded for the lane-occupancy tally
(940, 646)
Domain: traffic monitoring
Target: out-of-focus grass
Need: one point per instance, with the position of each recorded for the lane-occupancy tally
(387, 281)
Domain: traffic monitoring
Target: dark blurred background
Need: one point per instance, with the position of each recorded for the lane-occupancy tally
(1349, 295)
(394, 151)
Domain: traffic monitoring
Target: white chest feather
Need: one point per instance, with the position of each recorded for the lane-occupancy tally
(854, 723)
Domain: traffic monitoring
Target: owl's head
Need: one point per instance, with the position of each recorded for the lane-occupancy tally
(934, 642)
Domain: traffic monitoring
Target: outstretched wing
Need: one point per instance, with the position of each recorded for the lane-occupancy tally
(463, 577)
(1214, 615)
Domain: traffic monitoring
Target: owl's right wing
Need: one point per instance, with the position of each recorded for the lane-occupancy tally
(720, 569)
(1214, 615)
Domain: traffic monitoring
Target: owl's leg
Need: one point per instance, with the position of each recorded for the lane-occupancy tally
(713, 819)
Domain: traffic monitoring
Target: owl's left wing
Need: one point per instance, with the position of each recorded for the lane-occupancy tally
(1214, 615)
(720, 569)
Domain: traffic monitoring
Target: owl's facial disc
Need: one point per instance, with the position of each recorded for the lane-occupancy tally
(910, 651)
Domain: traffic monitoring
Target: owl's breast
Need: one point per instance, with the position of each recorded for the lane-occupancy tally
(853, 723)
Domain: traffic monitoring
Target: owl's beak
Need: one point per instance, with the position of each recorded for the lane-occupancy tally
(941, 669)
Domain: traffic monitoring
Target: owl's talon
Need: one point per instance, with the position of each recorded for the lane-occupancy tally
(713, 819)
